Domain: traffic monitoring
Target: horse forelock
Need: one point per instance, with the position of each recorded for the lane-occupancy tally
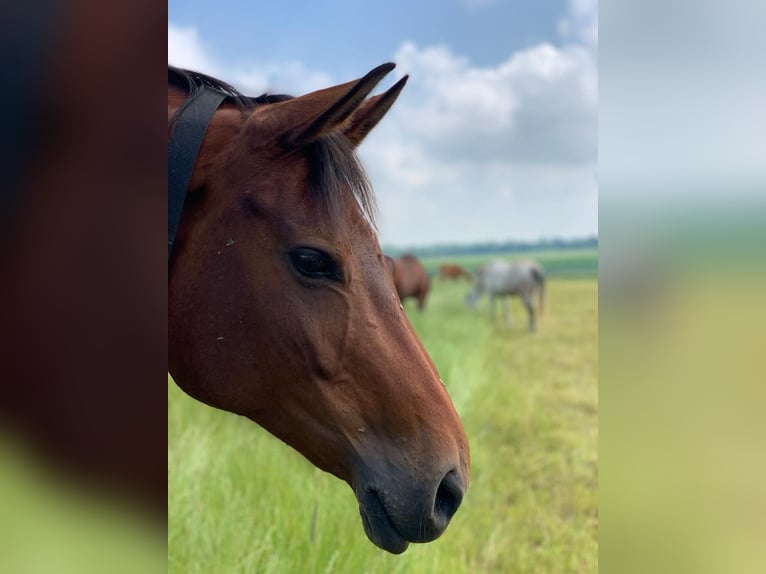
(336, 175)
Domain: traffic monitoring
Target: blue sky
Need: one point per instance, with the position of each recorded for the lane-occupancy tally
(495, 136)
(346, 36)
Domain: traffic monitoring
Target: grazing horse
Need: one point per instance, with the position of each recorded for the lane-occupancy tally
(281, 307)
(451, 271)
(410, 279)
(503, 279)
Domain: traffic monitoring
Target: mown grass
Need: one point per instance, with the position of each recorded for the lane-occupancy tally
(241, 501)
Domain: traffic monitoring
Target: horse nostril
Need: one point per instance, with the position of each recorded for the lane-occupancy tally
(449, 495)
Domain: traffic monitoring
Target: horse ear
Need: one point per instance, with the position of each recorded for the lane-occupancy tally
(367, 116)
(305, 119)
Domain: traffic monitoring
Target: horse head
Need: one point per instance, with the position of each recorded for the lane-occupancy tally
(282, 308)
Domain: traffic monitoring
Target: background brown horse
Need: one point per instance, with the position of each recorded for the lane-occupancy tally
(281, 306)
(410, 279)
(451, 271)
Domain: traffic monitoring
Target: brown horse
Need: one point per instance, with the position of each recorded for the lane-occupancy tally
(281, 308)
(451, 271)
(410, 279)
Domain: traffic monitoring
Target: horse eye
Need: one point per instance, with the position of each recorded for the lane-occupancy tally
(314, 264)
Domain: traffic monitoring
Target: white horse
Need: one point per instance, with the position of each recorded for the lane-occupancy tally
(502, 279)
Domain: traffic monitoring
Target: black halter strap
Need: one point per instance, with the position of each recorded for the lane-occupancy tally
(189, 127)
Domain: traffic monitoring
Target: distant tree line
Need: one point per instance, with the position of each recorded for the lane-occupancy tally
(493, 247)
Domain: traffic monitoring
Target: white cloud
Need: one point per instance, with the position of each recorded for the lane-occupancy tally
(581, 22)
(186, 50)
(538, 106)
(505, 151)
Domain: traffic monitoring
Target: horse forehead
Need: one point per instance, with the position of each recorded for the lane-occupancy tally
(293, 210)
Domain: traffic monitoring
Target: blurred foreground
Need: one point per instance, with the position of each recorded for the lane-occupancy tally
(51, 523)
(682, 469)
(682, 205)
(82, 287)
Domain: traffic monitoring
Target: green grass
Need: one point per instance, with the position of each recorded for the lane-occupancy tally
(241, 501)
(560, 264)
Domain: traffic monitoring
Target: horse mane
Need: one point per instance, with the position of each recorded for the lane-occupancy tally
(332, 160)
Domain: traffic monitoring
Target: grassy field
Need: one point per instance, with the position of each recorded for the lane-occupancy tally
(241, 501)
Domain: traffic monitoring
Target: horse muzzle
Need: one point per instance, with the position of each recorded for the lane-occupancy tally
(401, 512)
